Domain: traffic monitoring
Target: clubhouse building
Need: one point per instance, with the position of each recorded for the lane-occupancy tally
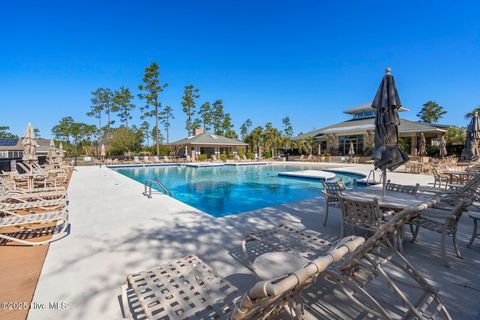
(359, 130)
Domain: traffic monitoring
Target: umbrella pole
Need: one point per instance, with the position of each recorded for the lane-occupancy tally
(384, 176)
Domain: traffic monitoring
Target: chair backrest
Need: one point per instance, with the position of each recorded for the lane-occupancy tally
(268, 299)
(360, 213)
(469, 191)
(333, 188)
(456, 214)
(402, 188)
(136, 159)
(302, 157)
(214, 157)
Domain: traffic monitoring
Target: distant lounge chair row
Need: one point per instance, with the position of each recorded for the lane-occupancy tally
(27, 214)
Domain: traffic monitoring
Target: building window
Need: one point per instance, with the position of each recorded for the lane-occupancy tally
(344, 144)
(364, 114)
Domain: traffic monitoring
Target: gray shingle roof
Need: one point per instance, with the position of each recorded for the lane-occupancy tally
(368, 124)
(16, 145)
(208, 138)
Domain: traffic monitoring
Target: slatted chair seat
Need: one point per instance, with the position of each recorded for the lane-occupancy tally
(443, 221)
(11, 221)
(10, 208)
(429, 224)
(23, 221)
(185, 289)
(307, 244)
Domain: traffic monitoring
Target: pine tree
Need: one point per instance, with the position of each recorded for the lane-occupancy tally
(190, 95)
(152, 88)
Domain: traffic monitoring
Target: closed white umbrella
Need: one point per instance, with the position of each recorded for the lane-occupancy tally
(102, 151)
(29, 143)
(52, 153)
(351, 151)
(61, 152)
(443, 147)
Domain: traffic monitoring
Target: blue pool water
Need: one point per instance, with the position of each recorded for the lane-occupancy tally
(220, 191)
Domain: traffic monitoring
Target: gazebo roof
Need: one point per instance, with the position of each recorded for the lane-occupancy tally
(207, 138)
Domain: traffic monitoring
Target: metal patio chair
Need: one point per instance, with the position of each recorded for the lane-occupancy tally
(331, 190)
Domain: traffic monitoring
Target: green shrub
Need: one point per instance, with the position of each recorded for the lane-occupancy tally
(432, 151)
(202, 157)
(267, 154)
(241, 154)
(223, 157)
(249, 155)
(231, 156)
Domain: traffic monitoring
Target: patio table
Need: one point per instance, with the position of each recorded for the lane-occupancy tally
(463, 175)
(392, 199)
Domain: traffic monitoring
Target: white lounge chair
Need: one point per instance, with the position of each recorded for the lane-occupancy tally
(25, 222)
(190, 289)
(146, 159)
(377, 277)
(11, 206)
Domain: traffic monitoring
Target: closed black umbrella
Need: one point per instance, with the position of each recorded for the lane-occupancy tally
(471, 150)
(387, 153)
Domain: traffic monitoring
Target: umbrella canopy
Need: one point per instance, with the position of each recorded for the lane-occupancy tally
(102, 151)
(422, 144)
(52, 153)
(387, 153)
(29, 145)
(471, 150)
(442, 145)
(351, 151)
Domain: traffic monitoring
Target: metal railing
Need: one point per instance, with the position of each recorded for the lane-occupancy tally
(371, 174)
(148, 188)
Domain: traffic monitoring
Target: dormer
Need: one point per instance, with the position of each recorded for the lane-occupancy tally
(365, 111)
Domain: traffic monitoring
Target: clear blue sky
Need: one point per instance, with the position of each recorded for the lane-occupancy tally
(265, 59)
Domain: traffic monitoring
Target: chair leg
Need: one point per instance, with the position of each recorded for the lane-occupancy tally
(444, 253)
(326, 213)
(414, 232)
(474, 234)
(455, 246)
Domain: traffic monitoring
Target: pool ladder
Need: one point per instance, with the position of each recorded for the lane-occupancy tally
(371, 174)
(148, 188)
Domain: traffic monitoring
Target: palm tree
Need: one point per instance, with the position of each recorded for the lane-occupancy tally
(256, 139)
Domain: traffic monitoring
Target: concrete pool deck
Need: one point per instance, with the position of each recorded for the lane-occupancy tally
(116, 231)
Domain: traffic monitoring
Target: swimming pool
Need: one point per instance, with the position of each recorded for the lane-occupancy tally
(221, 191)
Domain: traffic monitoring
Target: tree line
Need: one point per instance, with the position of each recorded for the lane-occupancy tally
(109, 106)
